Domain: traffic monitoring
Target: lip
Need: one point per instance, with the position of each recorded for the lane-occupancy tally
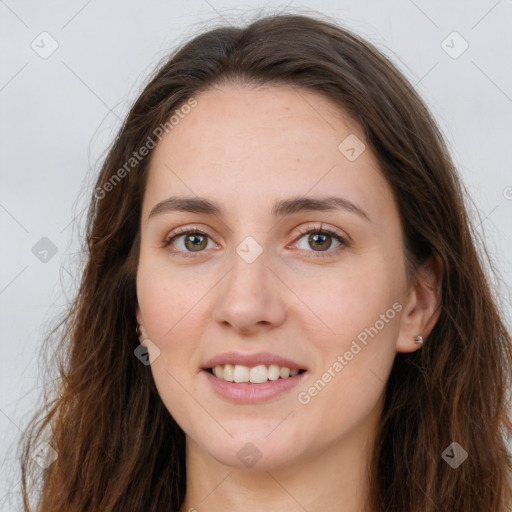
(248, 393)
(251, 360)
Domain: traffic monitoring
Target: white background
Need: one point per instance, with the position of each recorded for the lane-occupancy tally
(57, 116)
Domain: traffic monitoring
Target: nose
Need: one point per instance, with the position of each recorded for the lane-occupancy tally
(251, 298)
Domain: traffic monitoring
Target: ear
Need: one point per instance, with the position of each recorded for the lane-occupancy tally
(138, 315)
(140, 322)
(423, 305)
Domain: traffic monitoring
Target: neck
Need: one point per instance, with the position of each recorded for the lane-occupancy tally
(332, 479)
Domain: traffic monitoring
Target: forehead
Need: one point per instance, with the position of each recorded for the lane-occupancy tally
(250, 146)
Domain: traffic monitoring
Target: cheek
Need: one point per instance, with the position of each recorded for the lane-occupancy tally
(346, 302)
(362, 314)
(169, 305)
(338, 403)
(357, 358)
(165, 296)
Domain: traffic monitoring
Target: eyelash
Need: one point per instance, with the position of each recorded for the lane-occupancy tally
(317, 230)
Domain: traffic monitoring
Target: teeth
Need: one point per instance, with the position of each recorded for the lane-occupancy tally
(256, 374)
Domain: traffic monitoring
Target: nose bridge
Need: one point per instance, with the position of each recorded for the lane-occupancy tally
(249, 276)
(249, 296)
(249, 258)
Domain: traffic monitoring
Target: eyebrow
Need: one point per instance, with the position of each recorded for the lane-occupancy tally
(281, 208)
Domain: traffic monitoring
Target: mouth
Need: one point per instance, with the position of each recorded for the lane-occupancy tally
(259, 374)
(239, 384)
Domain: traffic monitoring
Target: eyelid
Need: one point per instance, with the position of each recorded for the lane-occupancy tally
(184, 230)
(320, 227)
(342, 239)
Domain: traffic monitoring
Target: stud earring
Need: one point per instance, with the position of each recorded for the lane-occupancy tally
(419, 340)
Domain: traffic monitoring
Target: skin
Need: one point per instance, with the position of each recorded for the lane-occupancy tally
(246, 148)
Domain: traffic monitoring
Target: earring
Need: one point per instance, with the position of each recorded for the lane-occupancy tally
(419, 340)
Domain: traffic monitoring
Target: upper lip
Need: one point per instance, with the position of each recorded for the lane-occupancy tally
(251, 360)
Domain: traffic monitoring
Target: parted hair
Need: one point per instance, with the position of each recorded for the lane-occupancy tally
(119, 449)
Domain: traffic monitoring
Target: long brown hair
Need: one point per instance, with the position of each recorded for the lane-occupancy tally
(119, 449)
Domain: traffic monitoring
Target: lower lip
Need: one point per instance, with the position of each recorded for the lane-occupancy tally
(247, 393)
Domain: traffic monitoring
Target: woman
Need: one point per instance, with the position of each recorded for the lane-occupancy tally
(282, 306)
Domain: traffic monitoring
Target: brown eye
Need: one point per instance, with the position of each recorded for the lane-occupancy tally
(195, 242)
(188, 241)
(320, 241)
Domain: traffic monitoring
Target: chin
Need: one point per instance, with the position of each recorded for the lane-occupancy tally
(254, 454)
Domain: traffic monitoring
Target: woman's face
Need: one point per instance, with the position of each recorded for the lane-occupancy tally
(264, 278)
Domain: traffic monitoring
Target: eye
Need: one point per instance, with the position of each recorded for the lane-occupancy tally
(194, 240)
(320, 239)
